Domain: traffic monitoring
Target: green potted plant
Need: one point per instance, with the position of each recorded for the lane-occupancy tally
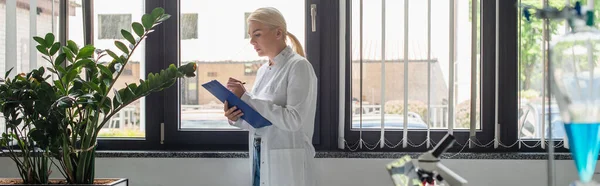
(74, 100)
(23, 102)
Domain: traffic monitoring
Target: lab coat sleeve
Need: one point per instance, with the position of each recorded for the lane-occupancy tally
(240, 123)
(301, 95)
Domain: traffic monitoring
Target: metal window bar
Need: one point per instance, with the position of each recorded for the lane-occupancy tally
(405, 133)
(63, 23)
(452, 63)
(361, 73)
(382, 137)
(519, 31)
(474, 51)
(428, 119)
(497, 59)
(545, 39)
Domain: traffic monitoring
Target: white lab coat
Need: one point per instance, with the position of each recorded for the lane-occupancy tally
(285, 94)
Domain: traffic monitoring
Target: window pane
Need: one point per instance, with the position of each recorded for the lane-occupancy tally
(110, 19)
(27, 56)
(426, 65)
(533, 102)
(222, 51)
(463, 70)
(23, 56)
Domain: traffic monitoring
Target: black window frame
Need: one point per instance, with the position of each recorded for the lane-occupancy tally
(154, 109)
(177, 139)
(162, 49)
(509, 83)
(486, 134)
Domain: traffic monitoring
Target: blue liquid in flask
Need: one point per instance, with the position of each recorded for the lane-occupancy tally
(584, 144)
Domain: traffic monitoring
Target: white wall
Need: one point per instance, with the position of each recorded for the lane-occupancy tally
(348, 172)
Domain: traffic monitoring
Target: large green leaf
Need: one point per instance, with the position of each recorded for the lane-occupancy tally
(40, 40)
(141, 88)
(69, 53)
(118, 97)
(86, 52)
(93, 86)
(107, 105)
(150, 80)
(128, 94)
(42, 49)
(147, 21)
(70, 76)
(60, 69)
(116, 103)
(49, 39)
(54, 48)
(163, 18)
(107, 82)
(127, 36)
(157, 12)
(73, 46)
(8, 73)
(189, 70)
(104, 70)
(123, 95)
(80, 63)
(77, 85)
(132, 89)
(122, 46)
(112, 54)
(138, 28)
(60, 59)
(52, 70)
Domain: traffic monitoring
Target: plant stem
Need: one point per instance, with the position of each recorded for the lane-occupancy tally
(121, 70)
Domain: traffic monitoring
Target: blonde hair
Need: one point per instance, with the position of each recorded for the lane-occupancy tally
(272, 17)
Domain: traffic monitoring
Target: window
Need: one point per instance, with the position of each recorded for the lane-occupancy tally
(110, 25)
(426, 78)
(409, 65)
(22, 20)
(189, 26)
(220, 56)
(424, 65)
(129, 122)
(534, 107)
(195, 119)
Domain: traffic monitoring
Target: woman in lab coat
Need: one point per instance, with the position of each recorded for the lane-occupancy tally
(285, 93)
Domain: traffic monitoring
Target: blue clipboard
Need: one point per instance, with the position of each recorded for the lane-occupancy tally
(251, 116)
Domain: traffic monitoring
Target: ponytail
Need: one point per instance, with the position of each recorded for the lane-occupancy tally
(296, 44)
(272, 17)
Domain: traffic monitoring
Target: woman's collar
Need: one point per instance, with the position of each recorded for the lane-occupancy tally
(283, 56)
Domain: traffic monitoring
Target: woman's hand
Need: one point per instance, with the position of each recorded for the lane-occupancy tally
(233, 114)
(236, 86)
